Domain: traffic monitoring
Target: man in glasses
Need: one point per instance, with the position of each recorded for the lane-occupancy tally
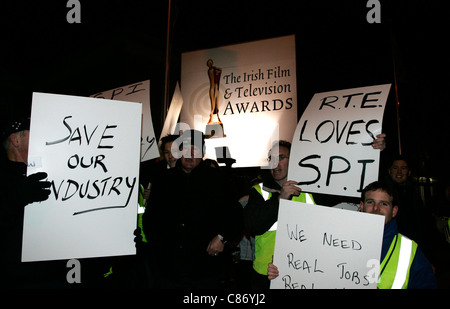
(261, 212)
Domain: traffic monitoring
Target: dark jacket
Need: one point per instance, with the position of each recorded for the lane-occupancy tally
(260, 214)
(16, 191)
(416, 222)
(421, 274)
(184, 213)
(12, 203)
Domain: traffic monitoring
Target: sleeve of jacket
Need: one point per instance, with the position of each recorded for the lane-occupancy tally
(153, 219)
(259, 214)
(230, 222)
(421, 275)
(233, 229)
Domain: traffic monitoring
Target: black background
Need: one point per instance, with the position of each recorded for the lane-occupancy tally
(121, 42)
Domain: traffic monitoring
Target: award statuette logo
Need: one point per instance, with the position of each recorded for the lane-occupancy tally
(214, 128)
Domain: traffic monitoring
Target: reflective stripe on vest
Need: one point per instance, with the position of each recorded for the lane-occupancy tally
(396, 265)
(265, 243)
(403, 263)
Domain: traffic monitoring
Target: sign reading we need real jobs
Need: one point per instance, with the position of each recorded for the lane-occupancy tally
(331, 149)
(90, 149)
(321, 247)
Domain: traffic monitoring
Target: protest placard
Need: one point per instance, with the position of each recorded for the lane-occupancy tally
(90, 150)
(137, 92)
(331, 149)
(321, 247)
(244, 95)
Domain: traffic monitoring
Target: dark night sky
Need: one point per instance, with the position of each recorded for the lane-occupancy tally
(121, 42)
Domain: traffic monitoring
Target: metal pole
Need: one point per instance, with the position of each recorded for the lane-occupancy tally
(167, 67)
(397, 108)
(394, 50)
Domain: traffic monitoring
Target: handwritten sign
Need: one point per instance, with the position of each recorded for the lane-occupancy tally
(138, 92)
(321, 247)
(90, 150)
(331, 151)
(250, 88)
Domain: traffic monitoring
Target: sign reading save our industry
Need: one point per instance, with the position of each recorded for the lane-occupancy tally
(90, 149)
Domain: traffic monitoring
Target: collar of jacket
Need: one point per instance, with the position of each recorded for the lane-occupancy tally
(390, 230)
(199, 167)
(8, 166)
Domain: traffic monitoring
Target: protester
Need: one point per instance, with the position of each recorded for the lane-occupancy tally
(410, 271)
(261, 211)
(17, 190)
(379, 198)
(151, 169)
(441, 208)
(189, 219)
(414, 219)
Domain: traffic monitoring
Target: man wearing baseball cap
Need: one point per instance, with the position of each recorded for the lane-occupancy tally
(189, 219)
(16, 191)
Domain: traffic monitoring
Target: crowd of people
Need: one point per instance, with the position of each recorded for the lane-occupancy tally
(201, 228)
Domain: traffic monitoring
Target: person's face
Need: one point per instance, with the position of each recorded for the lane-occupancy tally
(192, 156)
(279, 155)
(20, 141)
(379, 202)
(24, 142)
(167, 153)
(447, 193)
(399, 171)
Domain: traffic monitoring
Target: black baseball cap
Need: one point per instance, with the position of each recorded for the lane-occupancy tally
(14, 126)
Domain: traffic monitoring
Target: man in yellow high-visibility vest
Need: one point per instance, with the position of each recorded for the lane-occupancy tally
(403, 265)
(261, 212)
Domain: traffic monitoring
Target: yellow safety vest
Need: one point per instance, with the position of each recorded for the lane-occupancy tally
(141, 210)
(396, 266)
(265, 243)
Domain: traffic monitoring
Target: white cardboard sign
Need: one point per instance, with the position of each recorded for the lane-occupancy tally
(331, 149)
(138, 92)
(321, 247)
(90, 150)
